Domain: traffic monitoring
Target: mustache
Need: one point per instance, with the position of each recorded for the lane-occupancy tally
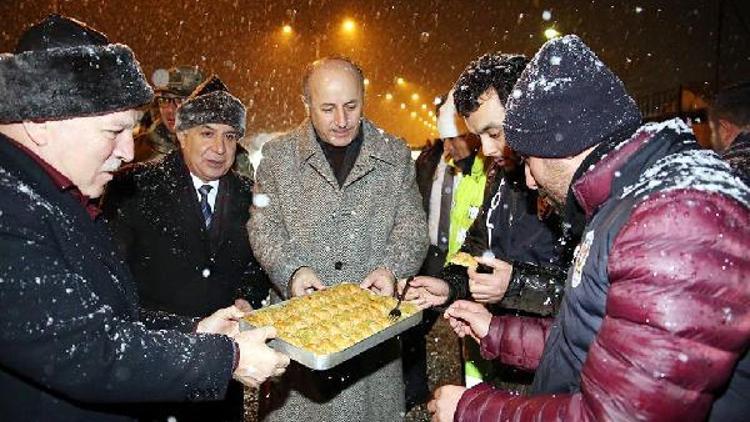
(111, 165)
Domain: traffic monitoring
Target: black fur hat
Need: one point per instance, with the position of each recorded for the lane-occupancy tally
(211, 102)
(63, 69)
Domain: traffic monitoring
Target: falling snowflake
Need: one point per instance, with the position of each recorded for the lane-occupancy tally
(261, 200)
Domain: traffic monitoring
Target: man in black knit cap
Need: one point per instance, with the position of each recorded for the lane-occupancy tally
(648, 329)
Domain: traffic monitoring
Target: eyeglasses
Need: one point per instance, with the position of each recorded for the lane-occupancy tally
(161, 100)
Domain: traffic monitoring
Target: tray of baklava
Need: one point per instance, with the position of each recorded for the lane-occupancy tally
(325, 328)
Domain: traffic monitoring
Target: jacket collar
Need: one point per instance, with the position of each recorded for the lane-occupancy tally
(374, 149)
(184, 201)
(620, 164)
(594, 185)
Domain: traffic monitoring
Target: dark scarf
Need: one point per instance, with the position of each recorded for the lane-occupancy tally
(341, 159)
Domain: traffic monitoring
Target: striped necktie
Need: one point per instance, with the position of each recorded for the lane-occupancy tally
(205, 207)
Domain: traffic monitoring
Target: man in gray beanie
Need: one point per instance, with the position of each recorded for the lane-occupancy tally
(180, 226)
(74, 345)
(654, 323)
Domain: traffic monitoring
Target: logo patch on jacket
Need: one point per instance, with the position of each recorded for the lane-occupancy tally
(581, 255)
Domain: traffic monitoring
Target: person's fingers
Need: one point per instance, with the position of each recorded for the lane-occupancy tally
(315, 283)
(248, 381)
(262, 334)
(413, 293)
(466, 304)
(479, 288)
(483, 279)
(233, 312)
(464, 314)
(367, 282)
(431, 406)
(400, 284)
(490, 262)
(282, 360)
(243, 305)
(421, 304)
(421, 281)
(384, 285)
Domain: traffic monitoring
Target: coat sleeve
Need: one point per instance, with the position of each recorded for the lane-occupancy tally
(676, 320)
(57, 332)
(408, 239)
(278, 254)
(516, 341)
(160, 320)
(534, 288)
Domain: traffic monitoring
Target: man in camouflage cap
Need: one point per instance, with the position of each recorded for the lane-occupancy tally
(172, 87)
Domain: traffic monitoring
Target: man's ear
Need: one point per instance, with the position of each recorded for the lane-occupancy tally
(37, 132)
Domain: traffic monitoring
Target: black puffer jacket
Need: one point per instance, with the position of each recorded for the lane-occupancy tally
(509, 226)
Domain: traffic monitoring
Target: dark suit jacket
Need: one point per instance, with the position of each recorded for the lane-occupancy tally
(178, 264)
(73, 344)
(425, 167)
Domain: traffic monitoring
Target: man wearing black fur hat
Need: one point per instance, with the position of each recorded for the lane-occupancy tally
(180, 224)
(74, 345)
(654, 320)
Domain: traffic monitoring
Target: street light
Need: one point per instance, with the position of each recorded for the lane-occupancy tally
(366, 82)
(400, 81)
(286, 30)
(348, 25)
(550, 33)
(415, 97)
(388, 96)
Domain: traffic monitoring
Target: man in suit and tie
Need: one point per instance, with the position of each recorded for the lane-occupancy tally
(180, 223)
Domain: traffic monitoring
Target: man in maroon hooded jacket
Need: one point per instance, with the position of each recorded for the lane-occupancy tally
(655, 323)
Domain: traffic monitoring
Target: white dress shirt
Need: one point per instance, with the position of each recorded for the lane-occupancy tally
(197, 183)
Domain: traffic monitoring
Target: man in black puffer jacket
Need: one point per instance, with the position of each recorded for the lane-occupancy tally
(528, 253)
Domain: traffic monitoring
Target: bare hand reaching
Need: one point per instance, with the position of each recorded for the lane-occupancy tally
(425, 292)
(381, 281)
(258, 362)
(490, 288)
(469, 318)
(304, 282)
(443, 405)
(224, 321)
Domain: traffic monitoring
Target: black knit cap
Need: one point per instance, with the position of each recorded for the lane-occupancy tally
(62, 69)
(566, 101)
(211, 102)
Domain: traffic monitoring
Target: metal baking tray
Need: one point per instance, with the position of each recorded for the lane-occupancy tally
(323, 362)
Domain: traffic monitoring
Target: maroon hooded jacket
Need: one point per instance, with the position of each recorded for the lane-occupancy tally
(655, 324)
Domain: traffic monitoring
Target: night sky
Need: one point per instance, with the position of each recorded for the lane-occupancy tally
(652, 45)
